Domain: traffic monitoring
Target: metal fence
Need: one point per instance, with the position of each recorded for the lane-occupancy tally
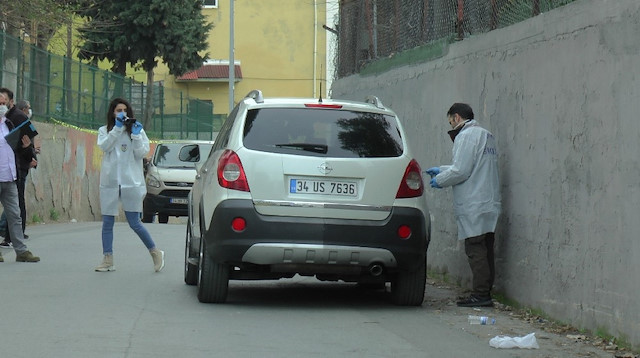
(370, 30)
(78, 94)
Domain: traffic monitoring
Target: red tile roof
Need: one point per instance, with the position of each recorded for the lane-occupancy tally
(211, 72)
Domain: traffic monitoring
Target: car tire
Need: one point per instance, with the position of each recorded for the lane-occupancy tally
(163, 218)
(407, 287)
(190, 270)
(147, 217)
(213, 280)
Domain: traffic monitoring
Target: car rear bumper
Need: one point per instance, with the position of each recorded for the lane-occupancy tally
(163, 204)
(294, 243)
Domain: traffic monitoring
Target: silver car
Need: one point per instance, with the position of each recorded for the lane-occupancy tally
(314, 187)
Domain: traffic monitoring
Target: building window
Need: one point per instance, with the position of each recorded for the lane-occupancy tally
(209, 3)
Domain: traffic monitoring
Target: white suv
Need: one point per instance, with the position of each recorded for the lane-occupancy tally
(314, 187)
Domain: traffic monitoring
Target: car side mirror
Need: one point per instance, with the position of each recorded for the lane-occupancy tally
(190, 153)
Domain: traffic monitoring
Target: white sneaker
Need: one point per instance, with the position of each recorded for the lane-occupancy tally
(106, 265)
(158, 259)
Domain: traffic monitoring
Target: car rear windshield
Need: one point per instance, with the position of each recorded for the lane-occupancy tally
(323, 132)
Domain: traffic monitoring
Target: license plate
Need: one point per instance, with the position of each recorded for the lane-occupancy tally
(179, 201)
(327, 187)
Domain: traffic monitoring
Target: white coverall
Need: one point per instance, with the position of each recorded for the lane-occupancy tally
(474, 177)
(121, 174)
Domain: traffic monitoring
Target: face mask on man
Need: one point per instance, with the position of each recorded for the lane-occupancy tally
(29, 113)
(3, 110)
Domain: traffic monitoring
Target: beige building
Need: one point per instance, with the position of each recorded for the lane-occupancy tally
(281, 47)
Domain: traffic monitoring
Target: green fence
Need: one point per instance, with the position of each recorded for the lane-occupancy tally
(380, 30)
(78, 94)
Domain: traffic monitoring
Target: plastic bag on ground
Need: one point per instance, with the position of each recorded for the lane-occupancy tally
(527, 342)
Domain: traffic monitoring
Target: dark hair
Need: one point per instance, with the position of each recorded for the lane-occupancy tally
(462, 109)
(111, 118)
(8, 92)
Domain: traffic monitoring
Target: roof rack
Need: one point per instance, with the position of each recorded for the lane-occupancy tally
(256, 95)
(375, 101)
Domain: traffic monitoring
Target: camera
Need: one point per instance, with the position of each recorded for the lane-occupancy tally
(127, 120)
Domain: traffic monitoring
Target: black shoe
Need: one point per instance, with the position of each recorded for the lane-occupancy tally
(476, 301)
(26, 236)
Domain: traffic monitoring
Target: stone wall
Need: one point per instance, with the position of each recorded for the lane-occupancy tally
(561, 94)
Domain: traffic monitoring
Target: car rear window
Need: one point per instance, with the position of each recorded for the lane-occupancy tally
(322, 132)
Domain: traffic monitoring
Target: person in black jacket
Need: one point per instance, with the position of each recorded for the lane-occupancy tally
(24, 164)
(10, 161)
(23, 170)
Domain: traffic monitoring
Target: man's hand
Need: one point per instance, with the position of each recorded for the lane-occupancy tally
(433, 171)
(33, 164)
(434, 184)
(26, 141)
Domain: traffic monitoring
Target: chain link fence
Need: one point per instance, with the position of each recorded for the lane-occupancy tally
(78, 94)
(370, 30)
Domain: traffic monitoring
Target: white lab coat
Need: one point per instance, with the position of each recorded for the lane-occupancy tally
(121, 174)
(474, 178)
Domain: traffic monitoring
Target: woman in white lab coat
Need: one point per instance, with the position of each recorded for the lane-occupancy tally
(124, 144)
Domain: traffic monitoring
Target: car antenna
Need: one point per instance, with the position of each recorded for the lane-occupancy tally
(320, 98)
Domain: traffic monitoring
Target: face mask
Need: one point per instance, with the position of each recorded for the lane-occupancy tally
(29, 113)
(3, 110)
(121, 115)
(454, 132)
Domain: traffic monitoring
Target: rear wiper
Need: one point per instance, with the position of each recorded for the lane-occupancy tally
(317, 148)
(176, 166)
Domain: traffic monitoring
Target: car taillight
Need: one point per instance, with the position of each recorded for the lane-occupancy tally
(230, 172)
(411, 185)
(238, 224)
(404, 232)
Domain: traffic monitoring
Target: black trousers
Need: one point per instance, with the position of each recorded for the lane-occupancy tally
(479, 250)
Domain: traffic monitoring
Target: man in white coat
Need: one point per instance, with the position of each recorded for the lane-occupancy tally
(476, 195)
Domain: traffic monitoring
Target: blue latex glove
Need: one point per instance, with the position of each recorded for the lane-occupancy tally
(434, 184)
(136, 128)
(433, 171)
(120, 119)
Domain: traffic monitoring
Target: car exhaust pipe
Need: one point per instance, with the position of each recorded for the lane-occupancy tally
(376, 269)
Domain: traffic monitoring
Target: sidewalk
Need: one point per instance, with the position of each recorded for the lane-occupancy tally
(555, 340)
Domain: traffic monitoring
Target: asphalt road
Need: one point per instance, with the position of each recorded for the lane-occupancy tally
(60, 307)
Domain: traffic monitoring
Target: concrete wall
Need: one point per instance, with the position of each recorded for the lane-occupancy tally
(65, 185)
(561, 93)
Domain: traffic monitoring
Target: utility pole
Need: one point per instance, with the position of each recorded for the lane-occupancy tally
(232, 61)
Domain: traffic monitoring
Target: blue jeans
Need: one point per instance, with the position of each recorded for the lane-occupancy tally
(134, 223)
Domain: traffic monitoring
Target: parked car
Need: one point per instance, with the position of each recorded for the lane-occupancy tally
(169, 176)
(314, 187)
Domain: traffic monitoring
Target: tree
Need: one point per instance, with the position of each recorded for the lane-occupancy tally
(140, 32)
(39, 20)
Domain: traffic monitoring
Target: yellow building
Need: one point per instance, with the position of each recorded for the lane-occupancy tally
(280, 48)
